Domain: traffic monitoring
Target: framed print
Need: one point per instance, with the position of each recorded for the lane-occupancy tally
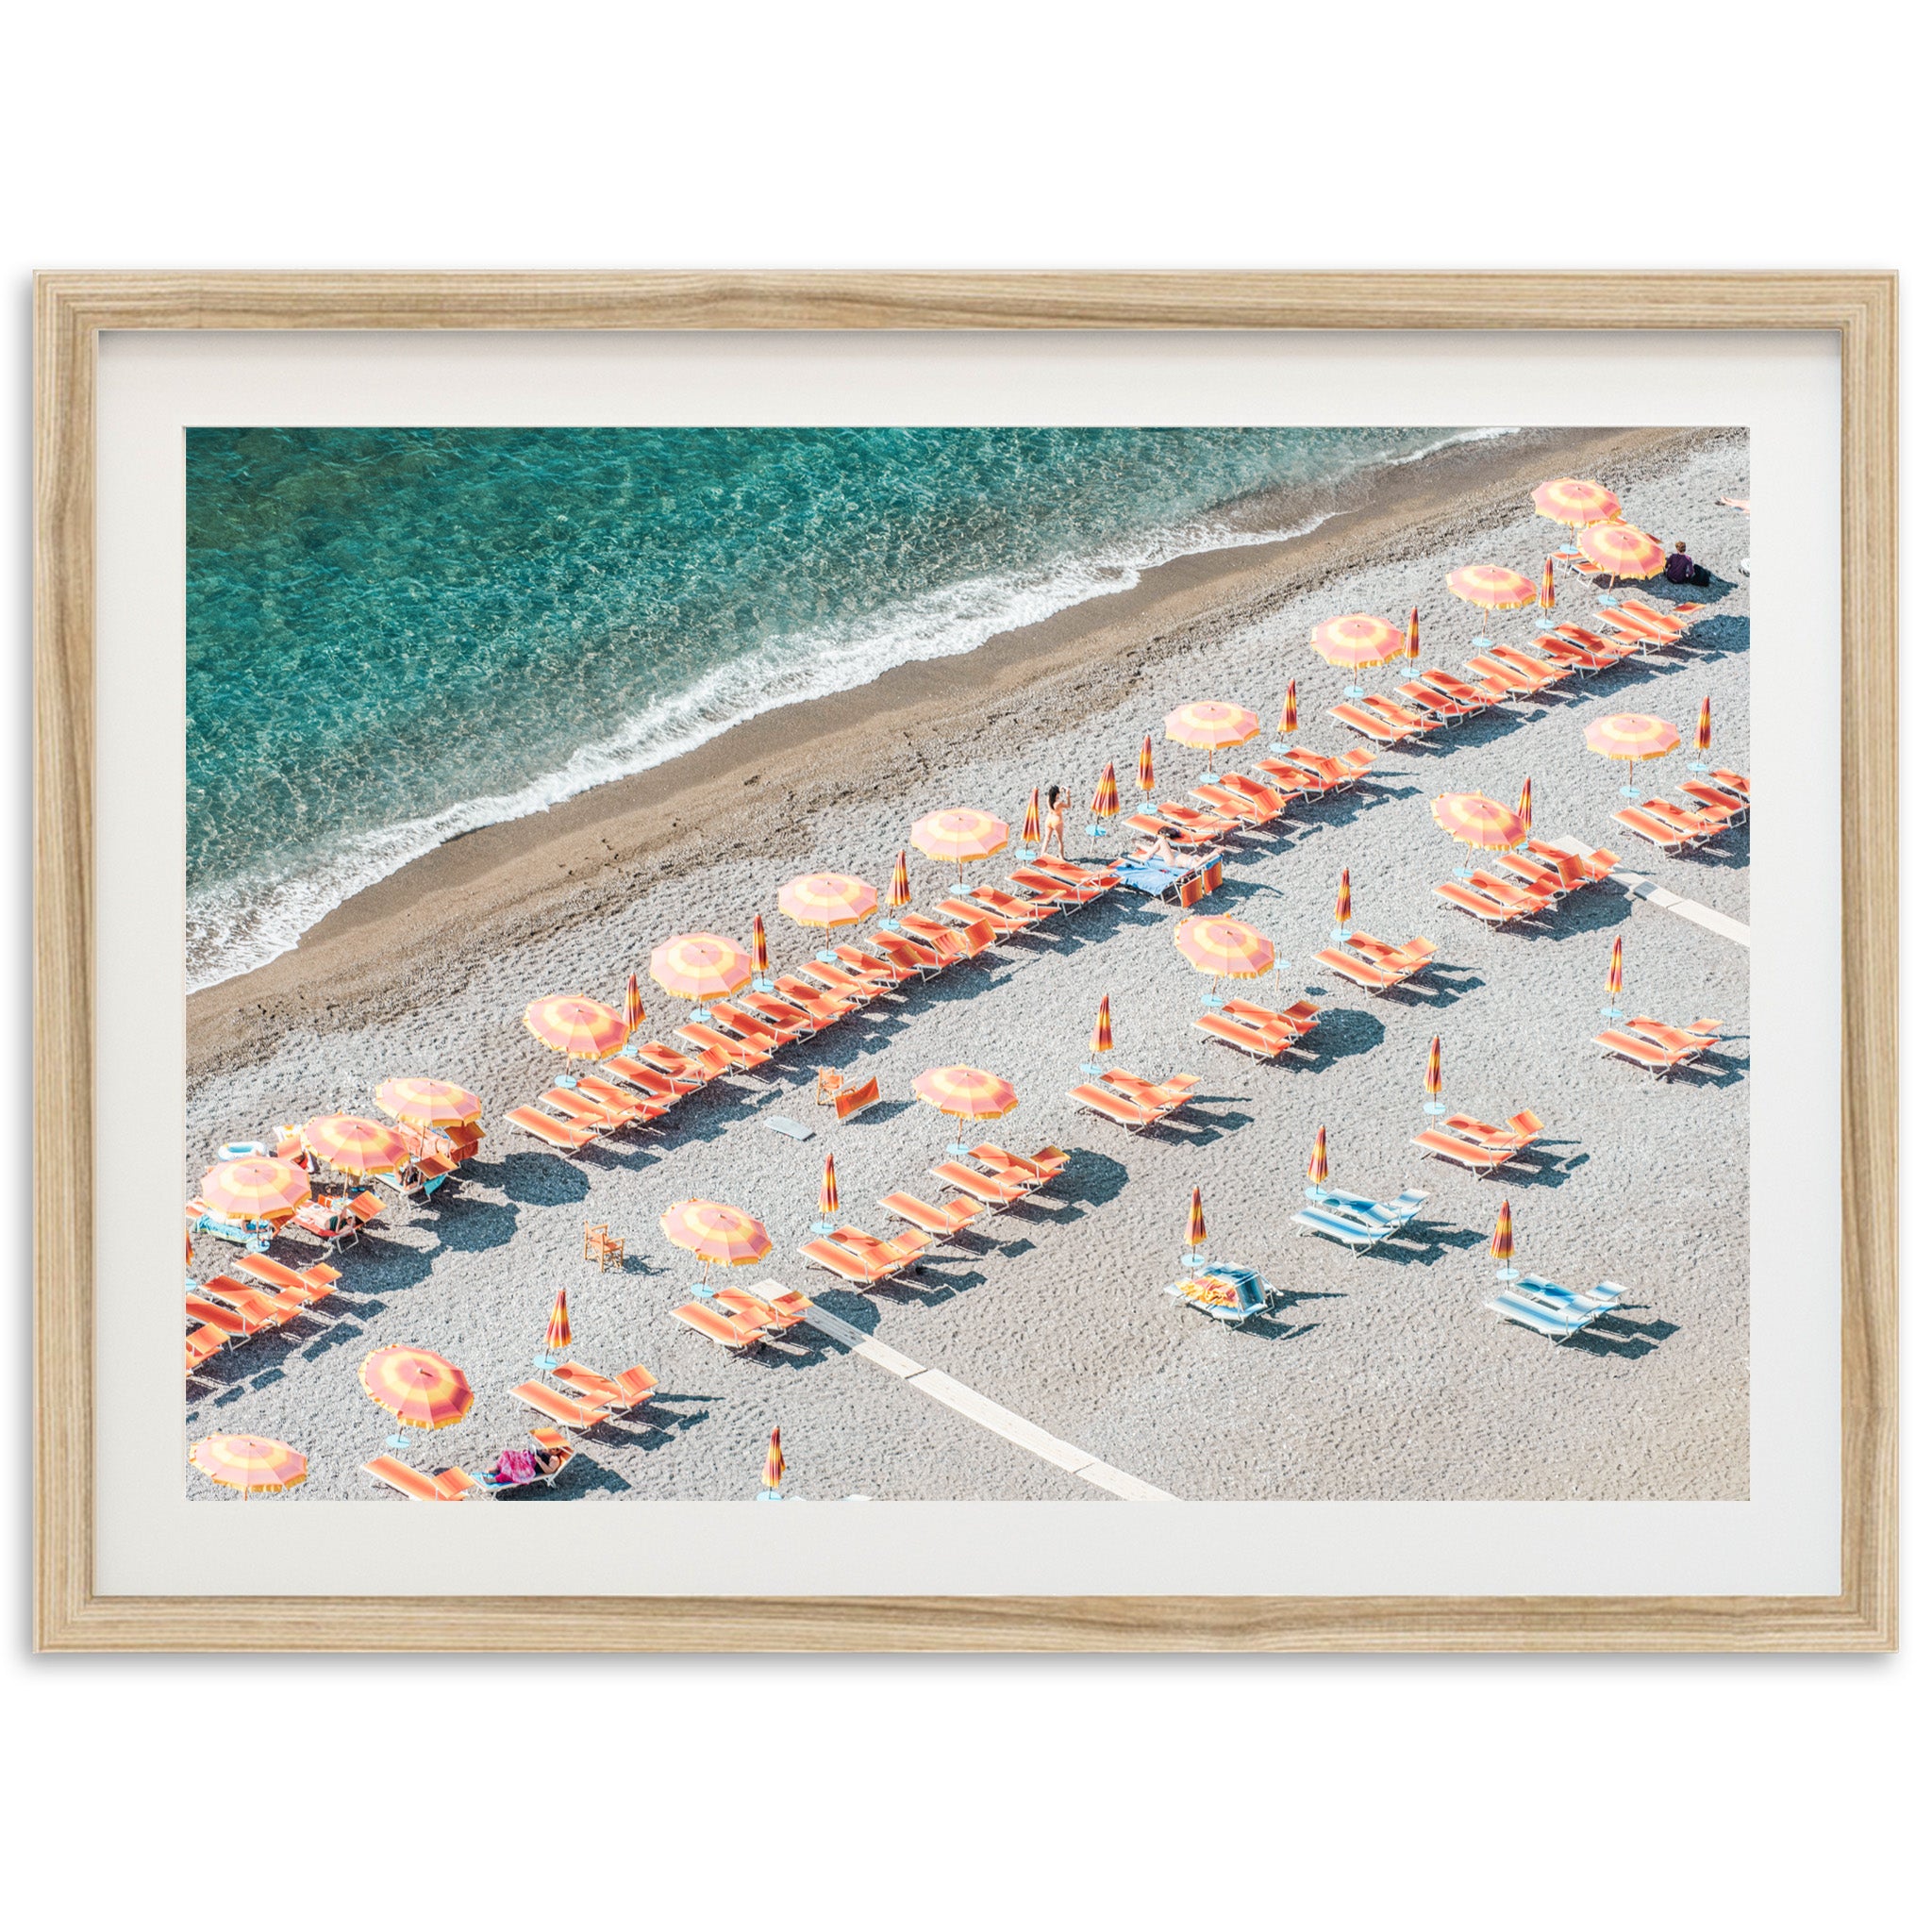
(988, 897)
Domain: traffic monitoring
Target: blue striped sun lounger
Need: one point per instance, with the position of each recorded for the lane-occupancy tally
(1341, 1225)
(1392, 1214)
(1606, 1294)
(1540, 1316)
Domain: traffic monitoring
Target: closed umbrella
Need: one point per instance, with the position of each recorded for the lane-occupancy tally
(1613, 981)
(1102, 1042)
(1289, 722)
(1415, 649)
(774, 1470)
(556, 1335)
(1432, 1077)
(899, 894)
(1143, 772)
(1344, 907)
(1317, 1160)
(1703, 738)
(1523, 807)
(633, 1007)
(828, 1200)
(761, 956)
(1546, 592)
(1503, 1246)
(1030, 830)
(1196, 1236)
(1107, 802)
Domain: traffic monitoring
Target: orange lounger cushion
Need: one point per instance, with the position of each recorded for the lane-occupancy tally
(1369, 724)
(1646, 1054)
(1130, 1114)
(452, 1485)
(737, 1053)
(1263, 1044)
(860, 1270)
(202, 1344)
(940, 1223)
(982, 1187)
(560, 1408)
(714, 1324)
(1360, 972)
(1489, 911)
(560, 1134)
(1468, 1154)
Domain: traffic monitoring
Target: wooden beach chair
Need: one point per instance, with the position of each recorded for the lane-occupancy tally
(1132, 1114)
(731, 1333)
(942, 1224)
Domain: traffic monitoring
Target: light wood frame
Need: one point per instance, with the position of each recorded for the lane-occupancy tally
(71, 311)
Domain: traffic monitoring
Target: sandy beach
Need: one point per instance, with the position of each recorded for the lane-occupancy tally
(1379, 1378)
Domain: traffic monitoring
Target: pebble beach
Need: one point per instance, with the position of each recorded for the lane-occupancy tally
(1378, 1377)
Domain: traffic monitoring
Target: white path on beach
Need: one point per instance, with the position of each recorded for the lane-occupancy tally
(988, 1415)
(1639, 886)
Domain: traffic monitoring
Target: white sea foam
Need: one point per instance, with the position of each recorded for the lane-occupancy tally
(246, 921)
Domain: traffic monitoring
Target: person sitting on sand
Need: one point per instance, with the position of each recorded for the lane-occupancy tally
(1681, 568)
(1056, 820)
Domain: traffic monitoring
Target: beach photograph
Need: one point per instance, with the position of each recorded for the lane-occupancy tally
(968, 964)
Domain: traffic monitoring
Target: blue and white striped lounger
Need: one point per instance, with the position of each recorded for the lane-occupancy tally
(1341, 1226)
(1606, 1294)
(1541, 1316)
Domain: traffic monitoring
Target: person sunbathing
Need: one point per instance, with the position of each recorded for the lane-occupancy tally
(516, 1466)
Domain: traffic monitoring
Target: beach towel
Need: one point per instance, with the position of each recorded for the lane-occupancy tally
(515, 1466)
(856, 1098)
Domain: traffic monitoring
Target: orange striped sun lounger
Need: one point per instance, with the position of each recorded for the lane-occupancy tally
(583, 1111)
(1656, 831)
(714, 1324)
(1706, 824)
(906, 1245)
(881, 972)
(740, 1053)
(233, 1325)
(745, 1029)
(1437, 704)
(1534, 874)
(1531, 667)
(1522, 897)
(905, 953)
(1359, 719)
(313, 1283)
(768, 1030)
(851, 986)
(861, 1271)
(1264, 1044)
(553, 1133)
(560, 1408)
(1151, 827)
(1592, 644)
(994, 1193)
(942, 1224)
(202, 1345)
(1647, 1054)
(1399, 715)
(786, 1311)
(1215, 823)
(1298, 1018)
(1132, 1114)
(1490, 911)
(1081, 875)
(1300, 780)
(1031, 911)
(1588, 659)
(1478, 1157)
(634, 1385)
(966, 941)
(1598, 865)
(1035, 1169)
(1408, 958)
(1713, 798)
(1731, 781)
(1043, 888)
(631, 1106)
(818, 1003)
(1539, 677)
(1479, 693)
(1168, 1095)
(969, 915)
(1689, 1040)
(689, 1070)
(1358, 971)
(1635, 612)
(789, 1016)
(450, 1485)
(265, 1308)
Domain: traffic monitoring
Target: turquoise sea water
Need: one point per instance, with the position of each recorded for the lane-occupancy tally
(398, 635)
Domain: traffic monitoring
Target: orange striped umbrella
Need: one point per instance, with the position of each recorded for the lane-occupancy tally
(1344, 902)
(557, 1337)
(428, 1103)
(1030, 832)
(1102, 1026)
(1317, 1160)
(420, 1388)
(959, 835)
(249, 1462)
(1632, 736)
(760, 959)
(775, 1463)
(1106, 795)
(1490, 587)
(1357, 639)
(1291, 720)
(828, 1192)
(1414, 640)
(585, 1029)
(1546, 592)
(1432, 1074)
(633, 1007)
(1621, 549)
(1503, 1242)
(350, 1144)
(1143, 776)
(1703, 728)
(899, 894)
(1197, 1235)
(716, 1233)
(966, 1092)
(1226, 947)
(1208, 725)
(827, 899)
(1523, 807)
(1473, 819)
(255, 1187)
(1571, 500)
(1613, 979)
(701, 966)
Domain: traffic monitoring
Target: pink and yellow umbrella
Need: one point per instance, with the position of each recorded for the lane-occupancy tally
(1503, 1244)
(958, 835)
(1523, 807)
(422, 1389)
(1102, 1026)
(719, 1236)
(255, 1187)
(1572, 501)
(701, 966)
(899, 894)
(1357, 641)
(1317, 1160)
(352, 1145)
(585, 1029)
(1107, 798)
(1029, 832)
(556, 1335)
(1621, 549)
(1225, 948)
(774, 1464)
(1144, 773)
(428, 1103)
(1197, 1235)
(1473, 819)
(1344, 902)
(1634, 737)
(633, 1007)
(1489, 587)
(249, 1462)
(968, 1094)
(1212, 726)
(827, 899)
